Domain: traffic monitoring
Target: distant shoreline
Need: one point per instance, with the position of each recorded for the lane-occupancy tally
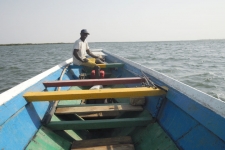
(18, 44)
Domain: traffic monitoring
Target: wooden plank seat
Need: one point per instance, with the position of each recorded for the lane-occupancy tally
(104, 108)
(89, 105)
(92, 94)
(89, 115)
(90, 82)
(92, 115)
(109, 147)
(99, 124)
(101, 142)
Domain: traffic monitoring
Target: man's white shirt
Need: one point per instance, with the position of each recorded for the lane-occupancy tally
(82, 47)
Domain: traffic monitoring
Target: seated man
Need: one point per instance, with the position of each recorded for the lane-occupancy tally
(81, 49)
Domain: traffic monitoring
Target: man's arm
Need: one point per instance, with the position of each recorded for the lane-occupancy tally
(92, 55)
(78, 57)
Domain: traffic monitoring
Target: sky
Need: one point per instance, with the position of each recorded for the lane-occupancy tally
(53, 21)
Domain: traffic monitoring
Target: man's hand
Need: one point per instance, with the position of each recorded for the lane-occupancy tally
(102, 59)
(85, 60)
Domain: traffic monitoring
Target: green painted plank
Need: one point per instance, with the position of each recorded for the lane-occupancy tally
(46, 139)
(99, 124)
(126, 131)
(63, 103)
(75, 135)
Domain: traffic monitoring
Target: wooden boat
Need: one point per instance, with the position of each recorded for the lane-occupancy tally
(136, 108)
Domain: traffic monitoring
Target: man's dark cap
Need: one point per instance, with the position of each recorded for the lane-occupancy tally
(84, 31)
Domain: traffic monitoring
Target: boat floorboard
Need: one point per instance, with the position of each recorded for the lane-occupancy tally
(47, 139)
(102, 142)
(108, 147)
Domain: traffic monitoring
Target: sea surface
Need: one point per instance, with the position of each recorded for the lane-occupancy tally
(200, 64)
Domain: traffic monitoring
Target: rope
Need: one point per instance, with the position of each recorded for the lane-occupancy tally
(48, 116)
(148, 82)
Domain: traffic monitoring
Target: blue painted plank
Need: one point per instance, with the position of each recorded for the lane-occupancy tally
(175, 121)
(16, 132)
(200, 138)
(76, 70)
(40, 108)
(12, 106)
(16, 103)
(72, 66)
(153, 104)
(212, 121)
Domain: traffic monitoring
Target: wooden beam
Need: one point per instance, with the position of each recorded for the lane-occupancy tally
(90, 82)
(98, 115)
(99, 124)
(92, 94)
(88, 105)
(102, 142)
(109, 147)
(109, 108)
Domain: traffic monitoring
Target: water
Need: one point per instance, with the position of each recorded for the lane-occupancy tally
(199, 64)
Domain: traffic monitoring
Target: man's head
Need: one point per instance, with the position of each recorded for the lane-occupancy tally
(84, 33)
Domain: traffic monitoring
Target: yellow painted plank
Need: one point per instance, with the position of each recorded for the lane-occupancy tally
(92, 94)
(110, 65)
(102, 65)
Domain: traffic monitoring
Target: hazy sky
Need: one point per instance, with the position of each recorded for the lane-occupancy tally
(50, 21)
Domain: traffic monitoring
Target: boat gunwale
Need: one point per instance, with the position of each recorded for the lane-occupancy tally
(14, 91)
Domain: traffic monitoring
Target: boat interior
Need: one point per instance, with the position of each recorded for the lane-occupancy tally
(129, 107)
(110, 113)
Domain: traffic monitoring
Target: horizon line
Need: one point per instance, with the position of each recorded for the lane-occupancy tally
(17, 44)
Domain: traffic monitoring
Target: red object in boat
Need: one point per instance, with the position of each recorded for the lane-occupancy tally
(102, 74)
